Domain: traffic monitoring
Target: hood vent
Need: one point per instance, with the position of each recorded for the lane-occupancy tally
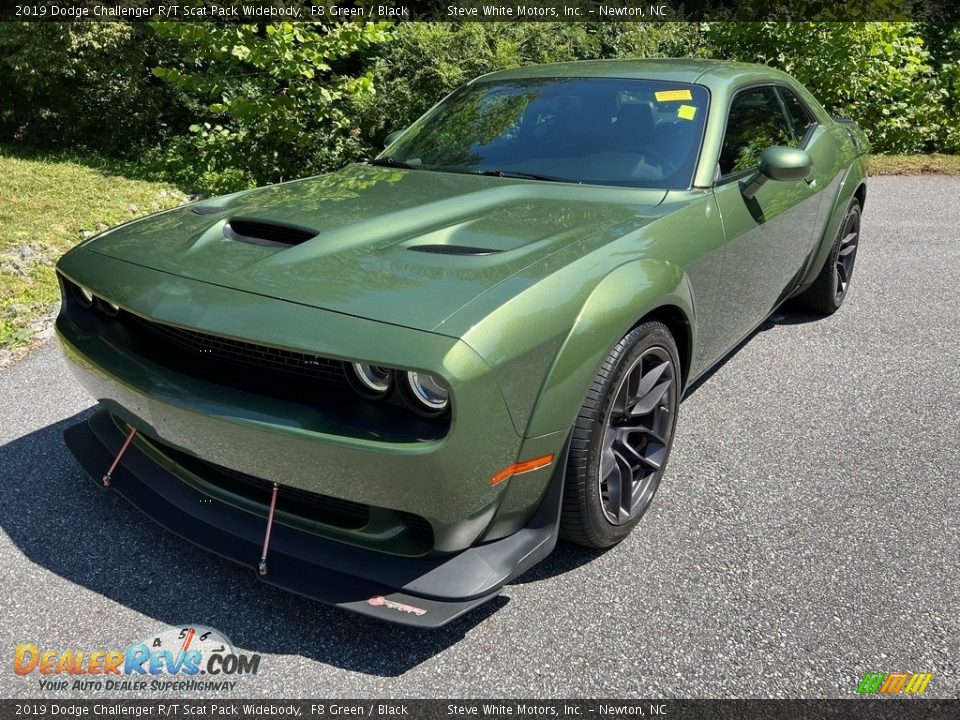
(453, 250)
(207, 209)
(269, 234)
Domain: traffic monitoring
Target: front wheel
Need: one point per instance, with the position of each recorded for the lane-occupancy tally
(622, 438)
(830, 288)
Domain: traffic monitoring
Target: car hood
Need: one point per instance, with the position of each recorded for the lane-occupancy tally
(358, 227)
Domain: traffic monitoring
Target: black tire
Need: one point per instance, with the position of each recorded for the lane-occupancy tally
(828, 291)
(608, 443)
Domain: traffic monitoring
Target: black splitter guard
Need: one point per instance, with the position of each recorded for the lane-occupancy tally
(426, 593)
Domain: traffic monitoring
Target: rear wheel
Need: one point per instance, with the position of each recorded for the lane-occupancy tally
(828, 291)
(622, 438)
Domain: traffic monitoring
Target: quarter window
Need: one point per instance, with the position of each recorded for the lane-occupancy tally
(756, 121)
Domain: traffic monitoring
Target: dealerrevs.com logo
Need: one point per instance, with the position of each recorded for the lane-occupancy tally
(894, 683)
(176, 659)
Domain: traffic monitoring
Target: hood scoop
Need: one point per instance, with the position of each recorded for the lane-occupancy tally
(269, 234)
(207, 209)
(453, 250)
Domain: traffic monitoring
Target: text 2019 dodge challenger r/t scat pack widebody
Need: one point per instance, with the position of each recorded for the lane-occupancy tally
(393, 387)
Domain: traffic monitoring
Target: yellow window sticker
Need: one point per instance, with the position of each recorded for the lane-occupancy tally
(687, 112)
(668, 95)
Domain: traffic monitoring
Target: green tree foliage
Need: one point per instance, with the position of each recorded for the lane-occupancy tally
(943, 41)
(426, 61)
(222, 107)
(280, 100)
(878, 73)
(86, 85)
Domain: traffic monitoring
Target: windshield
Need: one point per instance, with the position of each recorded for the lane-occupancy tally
(606, 131)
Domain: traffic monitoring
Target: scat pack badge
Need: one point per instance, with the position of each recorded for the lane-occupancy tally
(175, 658)
(381, 601)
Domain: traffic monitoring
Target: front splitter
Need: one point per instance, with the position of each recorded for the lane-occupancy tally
(423, 592)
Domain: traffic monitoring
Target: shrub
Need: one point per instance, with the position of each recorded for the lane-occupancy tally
(224, 107)
(280, 100)
(877, 73)
(425, 61)
(943, 42)
(85, 85)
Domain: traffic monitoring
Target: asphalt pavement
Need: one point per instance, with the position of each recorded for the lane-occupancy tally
(807, 530)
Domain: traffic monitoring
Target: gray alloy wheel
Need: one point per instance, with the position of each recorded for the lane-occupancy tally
(637, 434)
(621, 438)
(829, 289)
(846, 254)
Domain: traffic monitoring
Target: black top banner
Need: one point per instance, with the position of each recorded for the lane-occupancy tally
(478, 10)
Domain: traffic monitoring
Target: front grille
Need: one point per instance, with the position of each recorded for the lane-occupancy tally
(315, 391)
(332, 511)
(245, 354)
(303, 503)
(416, 523)
(314, 506)
(336, 512)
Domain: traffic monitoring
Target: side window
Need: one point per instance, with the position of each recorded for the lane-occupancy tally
(798, 115)
(755, 122)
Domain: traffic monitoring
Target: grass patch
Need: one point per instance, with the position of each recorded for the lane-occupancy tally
(48, 203)
(913, 165)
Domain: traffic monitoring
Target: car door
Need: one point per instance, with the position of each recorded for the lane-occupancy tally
(770, 235)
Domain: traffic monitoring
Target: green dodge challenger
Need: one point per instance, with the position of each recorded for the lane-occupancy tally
(393, 387)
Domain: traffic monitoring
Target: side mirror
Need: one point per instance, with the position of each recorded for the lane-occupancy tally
(388, 141)
(779, 163)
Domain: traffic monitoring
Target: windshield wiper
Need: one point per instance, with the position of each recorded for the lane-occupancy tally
(390, 162)
(528, 176)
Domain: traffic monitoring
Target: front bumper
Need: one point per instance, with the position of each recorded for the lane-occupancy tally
(444, 481)
(424, 592)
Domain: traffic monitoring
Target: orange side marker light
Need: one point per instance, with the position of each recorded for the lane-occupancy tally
(522, 467)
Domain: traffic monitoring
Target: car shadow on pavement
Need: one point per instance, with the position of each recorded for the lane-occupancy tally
(566, 557)
(62, 521)
(787, 315)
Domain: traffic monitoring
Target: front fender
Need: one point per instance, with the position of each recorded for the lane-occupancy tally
(607, 313)
(854, 178)
(616, 304)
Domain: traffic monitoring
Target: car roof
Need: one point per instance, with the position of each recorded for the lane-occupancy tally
(711, 73)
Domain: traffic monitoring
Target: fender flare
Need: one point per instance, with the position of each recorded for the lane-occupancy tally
(626, 295)
(853, 180)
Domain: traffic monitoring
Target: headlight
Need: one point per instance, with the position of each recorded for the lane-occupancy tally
(429, 391)
(371, 380)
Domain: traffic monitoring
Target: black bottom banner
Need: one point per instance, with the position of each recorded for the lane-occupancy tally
(485, 709)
